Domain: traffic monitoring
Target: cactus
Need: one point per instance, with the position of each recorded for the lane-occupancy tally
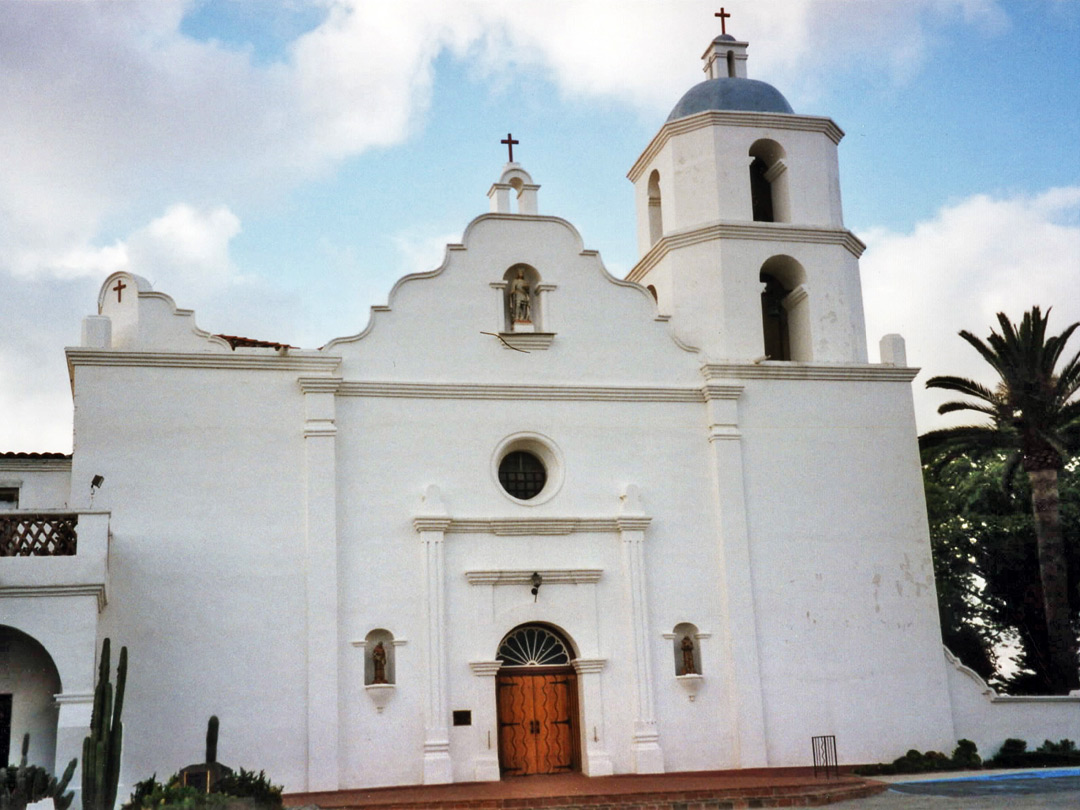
(28, 784)
(211, 739)
(101, 749)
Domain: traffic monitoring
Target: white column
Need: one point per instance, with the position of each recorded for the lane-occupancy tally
(486, 721)
(596, 761)
(432, 526)
(737, 591)
(321, 582)
(648, 757)
(71, 729)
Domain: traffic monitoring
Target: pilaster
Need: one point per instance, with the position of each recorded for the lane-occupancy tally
(486, 721)
(648, 756)
(320, 432)
(596, 761)
(745, 702)
(431, 526)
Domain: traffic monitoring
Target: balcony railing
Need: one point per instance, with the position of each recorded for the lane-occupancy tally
(31, 534)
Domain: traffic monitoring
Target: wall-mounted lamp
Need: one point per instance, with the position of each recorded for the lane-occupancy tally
(95, 483)
(536, 581)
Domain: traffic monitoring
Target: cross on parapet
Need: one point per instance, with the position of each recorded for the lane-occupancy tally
(119, 290)
(723, 19)
(510, 145)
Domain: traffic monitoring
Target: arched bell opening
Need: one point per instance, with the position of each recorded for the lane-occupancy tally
(785, 311)
(537, 703)
(29, 683)
(768, 182)
(656, 212)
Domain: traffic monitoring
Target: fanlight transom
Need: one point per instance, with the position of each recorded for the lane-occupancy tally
(533, 647)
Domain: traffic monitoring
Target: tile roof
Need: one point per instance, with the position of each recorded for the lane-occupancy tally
(246, 343)
(11, 454)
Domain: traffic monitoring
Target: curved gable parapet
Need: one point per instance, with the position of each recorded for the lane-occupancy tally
(378, 309)
(525, 251)
(142, 318)
(468, 320)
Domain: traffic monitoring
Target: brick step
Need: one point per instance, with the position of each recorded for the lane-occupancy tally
(719, 798)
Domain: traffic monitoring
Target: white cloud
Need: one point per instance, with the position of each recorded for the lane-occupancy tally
(977, 257)
(109, 106)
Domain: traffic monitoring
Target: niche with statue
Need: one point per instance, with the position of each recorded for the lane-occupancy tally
(379, 666)
(686, 648)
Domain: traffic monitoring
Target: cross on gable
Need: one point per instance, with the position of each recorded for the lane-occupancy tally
(510, 145)
(119, 290)
(723, 19)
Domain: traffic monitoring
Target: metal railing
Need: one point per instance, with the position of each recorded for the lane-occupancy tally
(29, 534)
(825, 755)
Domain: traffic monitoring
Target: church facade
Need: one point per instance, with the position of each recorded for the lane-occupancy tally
(532, 519)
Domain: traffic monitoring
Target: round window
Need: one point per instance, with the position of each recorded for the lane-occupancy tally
(522, 475)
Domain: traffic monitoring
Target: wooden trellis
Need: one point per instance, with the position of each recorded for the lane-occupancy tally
(37, 535)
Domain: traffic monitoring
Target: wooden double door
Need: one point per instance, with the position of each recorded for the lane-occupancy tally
(538, 727)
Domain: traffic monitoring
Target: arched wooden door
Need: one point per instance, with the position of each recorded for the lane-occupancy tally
(537, 704)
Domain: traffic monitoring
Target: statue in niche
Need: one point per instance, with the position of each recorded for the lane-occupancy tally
(687, 648)
(378, 656)
(520, 299)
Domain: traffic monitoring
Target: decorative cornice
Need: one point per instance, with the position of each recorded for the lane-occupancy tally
(431, 524)
(635, 523)
(725, 391)
(290, 361)
(485, 668)
(74, 698)
(575, 576)
(513, 527)
(34, 465)
(526, 341)
(95, 590)
(778, 370)
(730, 118)
(585, 666)
(756, 231)
(495, 391)
(319, 385)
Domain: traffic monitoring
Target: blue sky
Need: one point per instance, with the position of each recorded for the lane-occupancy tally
(276, 166)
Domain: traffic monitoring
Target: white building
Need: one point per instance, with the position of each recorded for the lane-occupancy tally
(686, 501)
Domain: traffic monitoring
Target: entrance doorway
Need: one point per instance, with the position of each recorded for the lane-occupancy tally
(537, 704)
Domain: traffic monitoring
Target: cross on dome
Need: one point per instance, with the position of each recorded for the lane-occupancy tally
(723, 15)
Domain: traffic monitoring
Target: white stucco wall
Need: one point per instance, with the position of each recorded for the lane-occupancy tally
(42, 483)
(988, 719)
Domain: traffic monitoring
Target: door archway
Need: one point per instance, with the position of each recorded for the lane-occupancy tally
(29, 682)
(536, 695)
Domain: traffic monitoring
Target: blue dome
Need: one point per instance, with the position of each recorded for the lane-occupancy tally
(739, 95)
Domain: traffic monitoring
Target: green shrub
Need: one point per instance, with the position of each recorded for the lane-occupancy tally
(251, 785)
(254, 788)
(1014, 754)
(965, 757)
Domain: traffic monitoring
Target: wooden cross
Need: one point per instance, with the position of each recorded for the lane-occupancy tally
(510, 145)
(723, 20)
(119, 289)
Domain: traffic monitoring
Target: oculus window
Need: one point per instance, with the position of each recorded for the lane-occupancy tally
(522, 475)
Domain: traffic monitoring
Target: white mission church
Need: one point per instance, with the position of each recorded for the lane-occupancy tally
(576, 523)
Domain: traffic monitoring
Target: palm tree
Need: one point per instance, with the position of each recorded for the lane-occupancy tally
(1035, 415)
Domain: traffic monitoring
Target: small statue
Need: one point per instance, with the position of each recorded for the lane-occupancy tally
(687, 647)
(520, 299)
(378, 656)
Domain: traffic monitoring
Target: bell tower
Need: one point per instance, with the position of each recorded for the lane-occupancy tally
(740, 226)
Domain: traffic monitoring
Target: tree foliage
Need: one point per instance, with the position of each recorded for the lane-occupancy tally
(986, 564)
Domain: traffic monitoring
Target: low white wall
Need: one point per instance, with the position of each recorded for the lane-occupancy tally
(988, 719)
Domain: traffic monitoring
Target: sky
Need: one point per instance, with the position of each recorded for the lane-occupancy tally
(277, 165)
